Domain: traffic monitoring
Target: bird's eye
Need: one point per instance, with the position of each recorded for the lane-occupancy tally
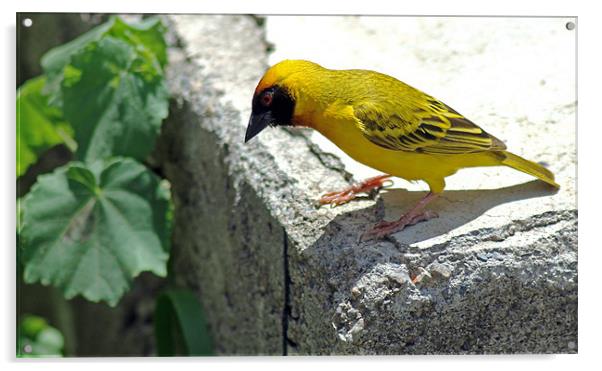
(266, 98)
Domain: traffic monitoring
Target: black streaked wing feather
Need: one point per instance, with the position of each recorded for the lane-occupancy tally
(433, 128)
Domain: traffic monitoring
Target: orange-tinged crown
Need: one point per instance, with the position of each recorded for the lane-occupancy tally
(282, 71)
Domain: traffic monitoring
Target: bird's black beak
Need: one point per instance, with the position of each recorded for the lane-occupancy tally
(257, 123)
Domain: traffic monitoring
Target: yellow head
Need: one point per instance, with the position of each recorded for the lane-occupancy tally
(276, 94)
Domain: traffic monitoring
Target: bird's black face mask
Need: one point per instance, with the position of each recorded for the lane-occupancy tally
(273, 106)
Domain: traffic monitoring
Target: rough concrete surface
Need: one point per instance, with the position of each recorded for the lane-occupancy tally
(496, 273)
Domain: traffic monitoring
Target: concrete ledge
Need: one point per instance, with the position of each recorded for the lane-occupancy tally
(495, 274)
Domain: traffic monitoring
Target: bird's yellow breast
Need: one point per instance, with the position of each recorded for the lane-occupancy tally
(336, 124)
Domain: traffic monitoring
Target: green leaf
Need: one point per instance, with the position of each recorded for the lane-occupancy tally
(180, 326)
(114, 100)
(148, 35)
(37, 338)
(39, 126)
(56, 59)
(110, 85)
(90, 229)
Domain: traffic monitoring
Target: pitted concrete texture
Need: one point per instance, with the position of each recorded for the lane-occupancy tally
(496, 273)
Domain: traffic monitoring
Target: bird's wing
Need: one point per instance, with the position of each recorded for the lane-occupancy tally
(426, 126)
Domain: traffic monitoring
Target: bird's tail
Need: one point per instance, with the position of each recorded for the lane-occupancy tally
(529, 167)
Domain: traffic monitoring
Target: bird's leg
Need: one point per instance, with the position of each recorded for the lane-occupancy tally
(346, 195)
(415, 215)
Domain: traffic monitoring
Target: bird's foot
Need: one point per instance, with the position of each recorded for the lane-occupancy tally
(344, 196)
(383, 228)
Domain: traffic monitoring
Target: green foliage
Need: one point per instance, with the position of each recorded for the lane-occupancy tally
(110, 86)
(180, 327)
(90, 229)
(148, 34)
(36, 337)
(146, 37)
(39, 126)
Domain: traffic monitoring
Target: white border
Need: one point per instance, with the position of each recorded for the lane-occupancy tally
(589, 137)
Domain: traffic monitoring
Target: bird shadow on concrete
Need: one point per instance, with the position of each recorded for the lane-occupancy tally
(455, 208)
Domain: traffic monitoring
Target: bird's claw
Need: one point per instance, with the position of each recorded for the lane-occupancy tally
(337, 198)
(368, 186)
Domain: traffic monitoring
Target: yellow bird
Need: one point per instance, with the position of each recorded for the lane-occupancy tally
(383, 123)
